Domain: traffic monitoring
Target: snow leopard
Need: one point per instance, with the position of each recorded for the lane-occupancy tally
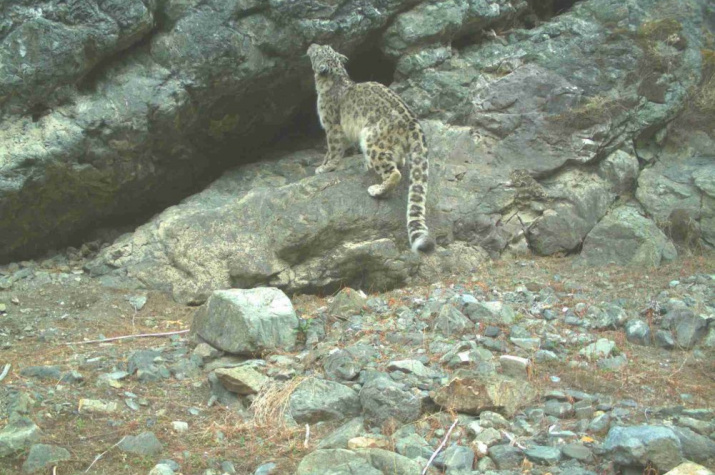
(374, 117)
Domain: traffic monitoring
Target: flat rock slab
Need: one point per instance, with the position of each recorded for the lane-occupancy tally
(473, 396)
(247, 322)
(241, 380)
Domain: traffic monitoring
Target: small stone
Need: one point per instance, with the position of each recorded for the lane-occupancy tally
(348, 302)
(266, 469)
(180, 426)
(95, 406)
(543, 454)
(506, 456)
(137, 301)
(145, 444)
(577, 451)
(515, 366)
(558, 409)
(544, 356)
(529, 344)
(489, 437)
(411, 366)
(664, 339)
(450, 321)
(495, 312)
(206, 351)
(458, 457)
(161, 469)
(638, 332)
(600, 349)
(241, 380)
(42, 456)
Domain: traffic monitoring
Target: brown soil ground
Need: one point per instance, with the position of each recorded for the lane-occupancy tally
(82, 309)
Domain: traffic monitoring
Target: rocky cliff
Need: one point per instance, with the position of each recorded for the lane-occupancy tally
(554, 128)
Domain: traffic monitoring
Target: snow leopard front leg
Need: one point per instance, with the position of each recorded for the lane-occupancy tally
(337, 144)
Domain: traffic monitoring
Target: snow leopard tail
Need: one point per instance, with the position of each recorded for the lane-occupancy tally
(420, 240)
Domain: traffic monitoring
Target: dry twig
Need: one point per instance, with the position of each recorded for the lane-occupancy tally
(102, 454)
(125, 337)
(5, 371)
(441, 446)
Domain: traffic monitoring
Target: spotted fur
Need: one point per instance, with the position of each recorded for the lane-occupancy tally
(373, 116)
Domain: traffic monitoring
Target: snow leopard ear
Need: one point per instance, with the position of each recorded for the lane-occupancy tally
(343, 59)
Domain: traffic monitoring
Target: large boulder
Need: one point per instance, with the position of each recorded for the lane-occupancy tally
(680, 194)
(247, 322)
(639, 241)
(643, 445)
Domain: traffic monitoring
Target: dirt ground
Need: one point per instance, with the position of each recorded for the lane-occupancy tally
(48, 323)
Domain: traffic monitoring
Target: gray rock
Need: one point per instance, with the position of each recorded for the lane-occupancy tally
(161, 469)
(640, 242)
(638, 332)
(413, 446)
(317, 400)
(457, 457)
(247, 321)
(42, 456)
(641, 445)
(17, 435)
(621, 170)
(241, 380)
(145, 444)
(474, 396)
(689, 328)
(42, 372)
(383, 399)
(495, 312)
(348, 302)
(543, 455)
(614, 363)
(558, 409)
(675, 191)
(506, 456)
(335, 462)
(338, 439)
(696, 447)
(341, 365)
(600, 349)
(266, 469)
(577, 452)
(515, 366)
(664, 339)
(411, 367)
(451, 321)
(689, 468)
(390, 462)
